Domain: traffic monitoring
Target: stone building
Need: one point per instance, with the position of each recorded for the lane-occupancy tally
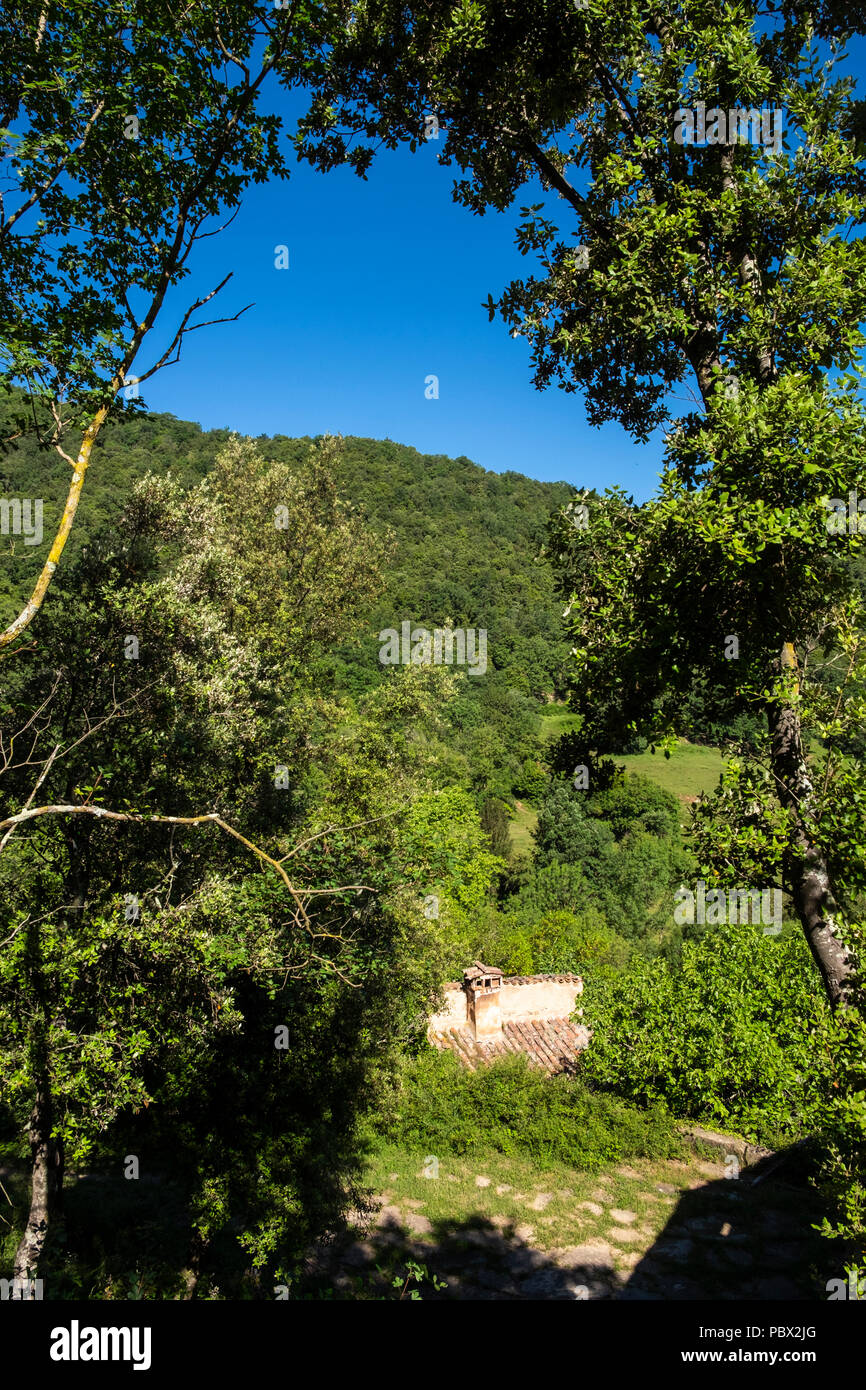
(490, 1014)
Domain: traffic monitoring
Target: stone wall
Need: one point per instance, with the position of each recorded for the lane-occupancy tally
(454, 1014)
(551, 996)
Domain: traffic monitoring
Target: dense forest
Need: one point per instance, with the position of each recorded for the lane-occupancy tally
(252, 824)
(443, 759)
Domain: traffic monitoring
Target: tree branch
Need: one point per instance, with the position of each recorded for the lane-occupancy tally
(137, 818)
(169, 267)
(177, 340)
(58, 170)
(553, 176)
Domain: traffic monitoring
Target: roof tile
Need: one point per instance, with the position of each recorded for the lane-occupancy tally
(552, 1044)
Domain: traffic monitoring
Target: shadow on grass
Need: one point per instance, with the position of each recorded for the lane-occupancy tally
(113, 1239)
(473, 1259)
(748, 1239)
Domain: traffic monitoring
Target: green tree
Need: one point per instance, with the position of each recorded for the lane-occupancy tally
(528, 942)
(495, 820)
(733, 263)
(731, 1035)
(626, 842)
(736, 265)
(128, 131)
(136, 926)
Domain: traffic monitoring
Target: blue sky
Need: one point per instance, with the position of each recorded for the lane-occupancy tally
(384, 288)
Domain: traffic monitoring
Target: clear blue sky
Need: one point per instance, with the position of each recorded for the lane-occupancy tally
(384, 287)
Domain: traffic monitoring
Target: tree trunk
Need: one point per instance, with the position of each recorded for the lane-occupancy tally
(34, 603)
(46, 1191)
(806, 872)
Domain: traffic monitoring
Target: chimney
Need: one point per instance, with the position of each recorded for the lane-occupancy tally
(482, 984)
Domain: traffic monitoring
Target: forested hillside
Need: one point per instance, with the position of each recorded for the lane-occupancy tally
(463, 549)
(465, 540)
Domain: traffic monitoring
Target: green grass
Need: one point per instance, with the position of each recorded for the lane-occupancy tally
(692, 768)
(681, 1226)
(558, 719)
(540, 1202)
(524, 822)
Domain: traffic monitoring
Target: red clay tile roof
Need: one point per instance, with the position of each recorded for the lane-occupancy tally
(523, 980)
(542, 979)
(552, 1044)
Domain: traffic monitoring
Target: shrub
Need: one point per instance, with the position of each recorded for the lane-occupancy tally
(634, 803)
(728, 1037)
(513, 1108)
(526, 943)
